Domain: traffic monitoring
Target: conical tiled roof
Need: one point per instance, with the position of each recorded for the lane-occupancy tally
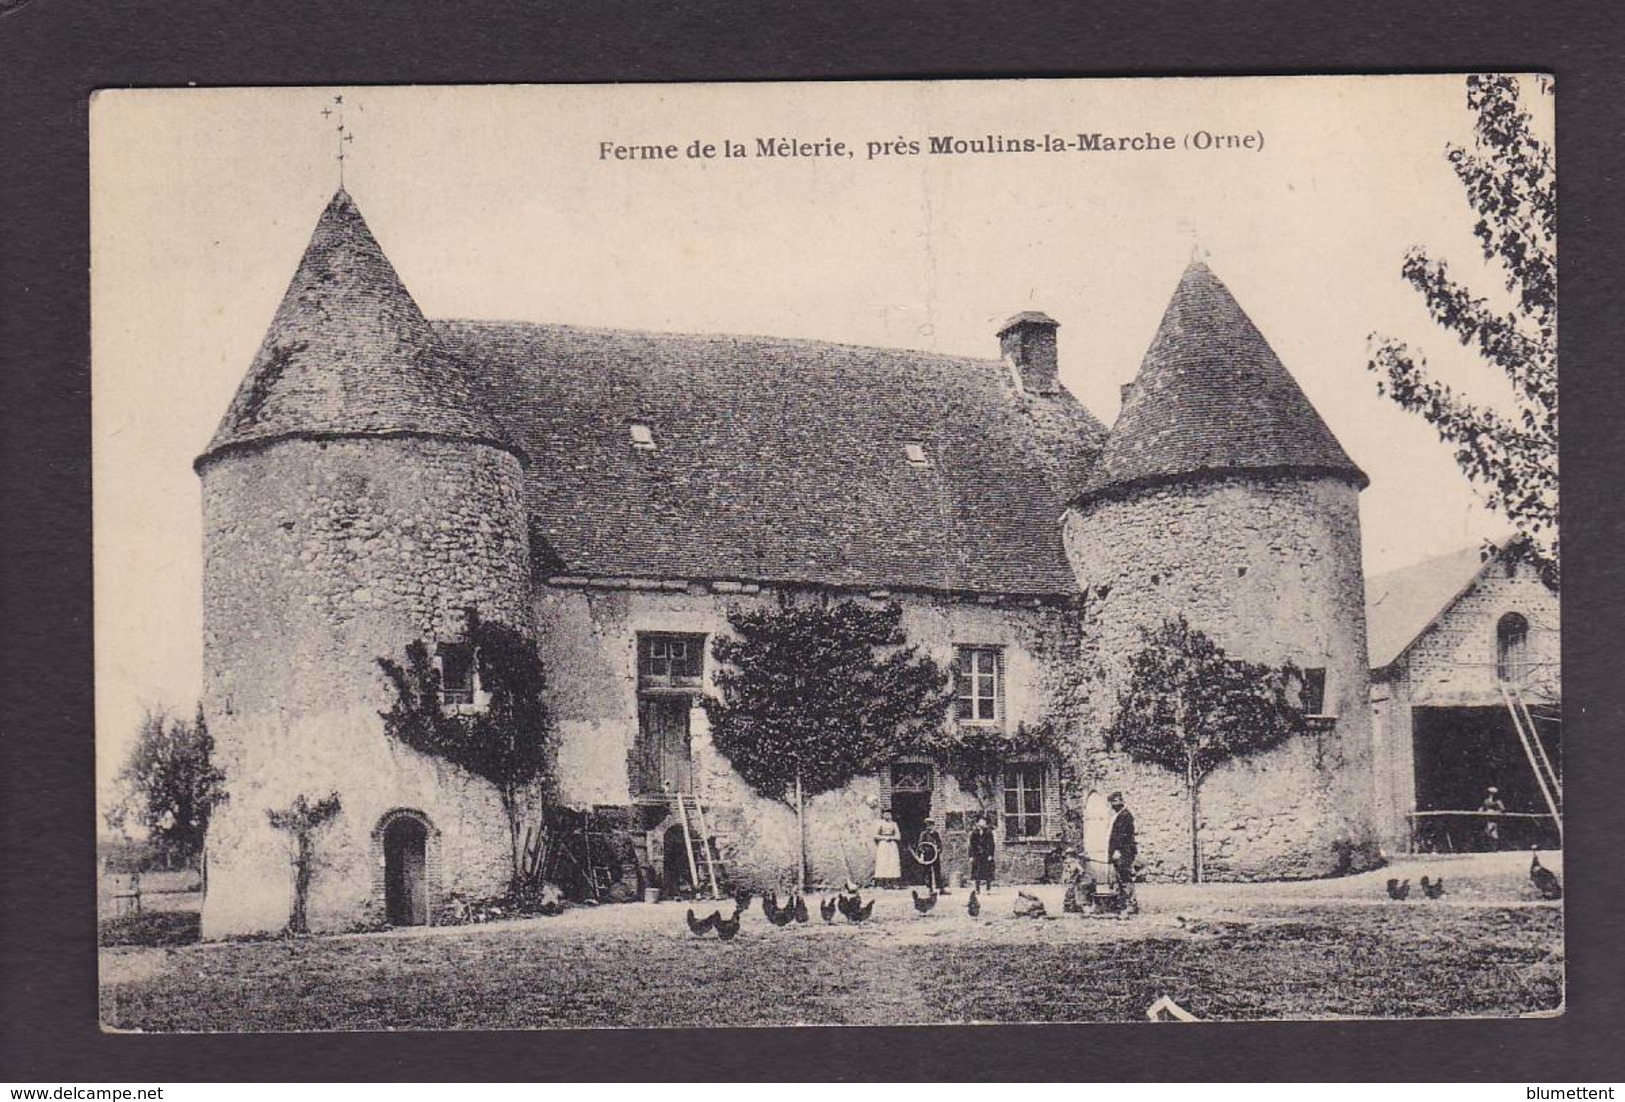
(350, 354)
(1213, 398)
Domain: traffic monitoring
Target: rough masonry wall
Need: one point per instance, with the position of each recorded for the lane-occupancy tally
(319, 558)
(1270, 569)
(589, 643)
(1453, 664)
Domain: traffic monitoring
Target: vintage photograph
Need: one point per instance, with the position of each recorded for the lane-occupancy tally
(934, 552)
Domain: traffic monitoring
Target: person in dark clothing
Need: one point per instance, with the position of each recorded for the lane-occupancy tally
(1492, 809)
(930, 846)
(981, 855)
(1123, 850)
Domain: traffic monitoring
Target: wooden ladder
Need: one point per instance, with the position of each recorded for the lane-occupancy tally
(706, 855)
(1551, 789)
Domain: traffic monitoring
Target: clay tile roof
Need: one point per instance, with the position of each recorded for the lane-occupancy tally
(783, 460)
(1401, 604)
(1211, 398)
(350, 353)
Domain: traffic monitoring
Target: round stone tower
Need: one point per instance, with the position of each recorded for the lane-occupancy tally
(358, 495)
(1222, 496)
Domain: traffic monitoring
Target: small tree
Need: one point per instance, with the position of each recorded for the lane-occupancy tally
(813, 694)
(170, 784)
(1189, 708)
(508, 742)
(1512, 189)
(301, 820)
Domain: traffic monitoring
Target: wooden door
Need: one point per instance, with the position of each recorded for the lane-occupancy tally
(664, 732)
(406, 881)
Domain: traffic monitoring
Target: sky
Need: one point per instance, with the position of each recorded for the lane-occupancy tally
(498, 202)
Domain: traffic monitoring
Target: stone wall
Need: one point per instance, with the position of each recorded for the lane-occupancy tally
(319, 558)
(1453, 664)
(589, 641)
(1270, 569)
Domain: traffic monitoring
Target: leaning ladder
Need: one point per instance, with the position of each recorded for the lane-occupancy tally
(1539, 763)
(705, 842)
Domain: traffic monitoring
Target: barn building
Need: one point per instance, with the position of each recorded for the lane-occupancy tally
(1465, 650)
(618, 494)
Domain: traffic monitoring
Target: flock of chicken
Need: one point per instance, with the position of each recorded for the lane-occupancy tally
(1544, 879)
(848, 902)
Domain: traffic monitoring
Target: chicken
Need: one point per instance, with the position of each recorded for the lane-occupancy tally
(780, 916)
(742, 898)
(860, 914)
(728, 927)
(1543, 878)
(1433, 890)
(1028, 906)
(923, 905)
(702, 926)
(826, 908)
(770, 904)
(1399, 889)
(848, 904)
(974, 907)
(800, 910)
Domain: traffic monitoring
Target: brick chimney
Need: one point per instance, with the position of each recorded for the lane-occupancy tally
(1027, 343)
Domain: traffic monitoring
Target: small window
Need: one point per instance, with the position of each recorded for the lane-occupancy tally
(977, 684)
(1312, 697)
(1024, 801)
(455, 661)
(670, 661)
(643, 437)
(916, 455)
(1512, 648)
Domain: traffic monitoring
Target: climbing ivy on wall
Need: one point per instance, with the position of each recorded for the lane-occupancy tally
(301, 820)
(1189, 708)
(813, 693)
(510, 741)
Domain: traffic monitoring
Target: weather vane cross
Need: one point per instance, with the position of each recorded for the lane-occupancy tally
(341, 135)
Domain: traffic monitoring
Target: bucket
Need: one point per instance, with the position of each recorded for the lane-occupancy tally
(651, 895)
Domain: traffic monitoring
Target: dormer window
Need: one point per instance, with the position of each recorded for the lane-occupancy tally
(643, 437)
(915, 453)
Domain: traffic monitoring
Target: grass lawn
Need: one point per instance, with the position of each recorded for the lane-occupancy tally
(1222, 951)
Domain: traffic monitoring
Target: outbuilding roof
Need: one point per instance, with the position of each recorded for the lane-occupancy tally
(1401, 604)
(1212, 398)
(349, 353)
(774, 460)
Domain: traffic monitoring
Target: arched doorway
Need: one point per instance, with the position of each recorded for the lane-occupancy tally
(406, 871)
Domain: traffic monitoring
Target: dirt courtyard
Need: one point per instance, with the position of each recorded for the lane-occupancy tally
(1315, 949)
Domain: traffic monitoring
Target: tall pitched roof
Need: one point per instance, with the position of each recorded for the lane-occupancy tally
(783, 460)
(349, 353)
(1401, 604)
(1212, 398)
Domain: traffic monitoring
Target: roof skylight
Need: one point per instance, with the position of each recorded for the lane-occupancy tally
(916, 455)
(643, 436)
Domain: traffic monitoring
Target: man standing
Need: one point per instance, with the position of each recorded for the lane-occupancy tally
(929, 854)
(1492, 808)
(1123, 849)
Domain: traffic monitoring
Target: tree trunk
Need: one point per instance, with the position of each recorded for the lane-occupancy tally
(801, 837)
(1196, 837)
(297, 922)
(511, 806)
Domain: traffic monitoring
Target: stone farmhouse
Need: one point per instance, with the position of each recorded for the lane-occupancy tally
(618, 494)
(1458, 643)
